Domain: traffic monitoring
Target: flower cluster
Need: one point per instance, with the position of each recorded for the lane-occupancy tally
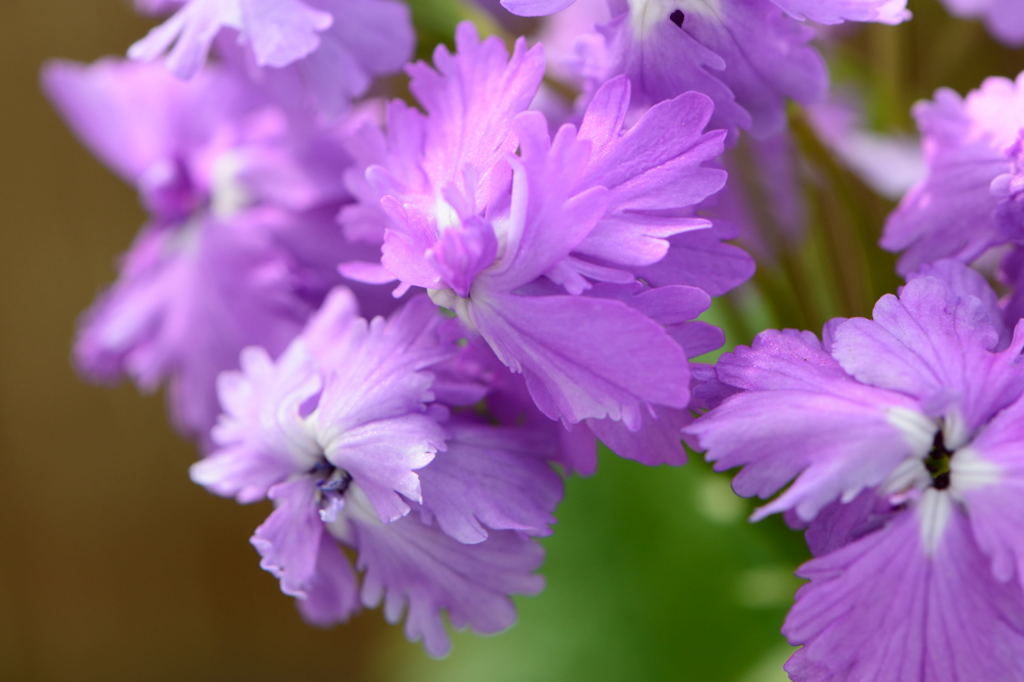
(531, 287)
(901, 436)
(312, 55)
(401, 322)
(749, 56)
(970, 204)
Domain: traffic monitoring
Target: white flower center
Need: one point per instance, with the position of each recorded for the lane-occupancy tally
(228, 196)
(645, 15)
(933, 514)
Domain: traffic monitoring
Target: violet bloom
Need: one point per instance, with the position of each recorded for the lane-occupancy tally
(234, 199)
(722, 49)
(890, 163)
(343, 434)
(565, 256)
(322, 53)
(972, 197)
(902, 437)
(1004, 18)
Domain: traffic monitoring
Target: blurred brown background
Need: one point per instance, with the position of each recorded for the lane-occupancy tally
(115, 566)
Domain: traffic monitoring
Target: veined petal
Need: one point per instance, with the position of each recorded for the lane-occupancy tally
(885, 607)
(491, 478)
(584, 358)
(535, 8)
(988, 476)
(289, 540)
(470, 100)
(800, 416)
(278, 32)
(417, 570)
(934, 343)
(838, 11)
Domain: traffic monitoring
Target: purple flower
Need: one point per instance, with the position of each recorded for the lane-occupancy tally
(720, 48)
(902, 437)
(890, 163)
(234, 197)
(322, 53)
(1004, 18)
(343, 434)
(970, 199)
(552, 253)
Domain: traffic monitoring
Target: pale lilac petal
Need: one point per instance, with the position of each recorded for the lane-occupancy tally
(654, 171)
(933, 343)
(471, 100)
(332, 592)
(1006, 22)
(175, 313)
(136, 117)
(665, 61)
(841, 523)
(260, 439)
(367, 39)
(157, 6)
(328, 333)
(885, 608)
(968, 143)
(942, 217)
(703, 259)
(289, 540)
(1011, 272)
(722, 50)
(372, 418)
(491, 478)
(838, 11)
(533, 244)
(988, 476)
(801, 416)
(968, 283)
(187, 36)
(280, 32)
(383, 455)
(658, 440)
(656, 164)
(585, 358)
(535, 8)
(418, 569)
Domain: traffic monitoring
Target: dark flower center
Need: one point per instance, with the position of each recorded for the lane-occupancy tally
(677, 18)
(331, 482)
(937, 462)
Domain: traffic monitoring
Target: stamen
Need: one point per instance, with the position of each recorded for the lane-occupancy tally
(937, 462)
(337, 482)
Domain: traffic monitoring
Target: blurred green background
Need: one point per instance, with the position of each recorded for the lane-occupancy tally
(115, 567)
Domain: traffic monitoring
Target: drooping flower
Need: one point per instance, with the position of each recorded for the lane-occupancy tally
(1004, 18)
(234, 196)
(890, 163)
(901, 436)
(343, 433)
(553, 249)
(972, 197)
(321, 53)
(722, 48)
